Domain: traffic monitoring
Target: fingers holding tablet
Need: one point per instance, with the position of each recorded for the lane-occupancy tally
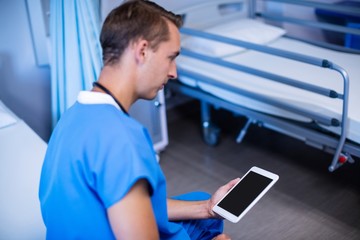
(245, 194)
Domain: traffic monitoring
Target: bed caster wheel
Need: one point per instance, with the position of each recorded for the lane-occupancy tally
(211, 134)
(342, 159)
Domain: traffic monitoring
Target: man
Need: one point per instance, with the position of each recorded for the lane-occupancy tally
(100, 178)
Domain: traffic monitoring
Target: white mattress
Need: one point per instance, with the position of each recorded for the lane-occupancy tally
(21, 156)
(289, 68)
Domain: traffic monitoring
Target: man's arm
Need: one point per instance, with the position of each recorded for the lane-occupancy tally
(133, 217)
(186, 210)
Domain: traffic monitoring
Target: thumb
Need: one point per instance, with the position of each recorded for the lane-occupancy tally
(231, 184)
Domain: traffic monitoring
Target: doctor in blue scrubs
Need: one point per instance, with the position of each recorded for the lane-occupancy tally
(100, 178)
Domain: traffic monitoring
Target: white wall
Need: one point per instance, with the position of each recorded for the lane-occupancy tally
(24, 87)
(286, 9)
(172, 5)
(176, 4)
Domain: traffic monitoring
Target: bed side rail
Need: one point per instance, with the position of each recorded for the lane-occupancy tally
(321, 5)
(255, 10)
(343, 123)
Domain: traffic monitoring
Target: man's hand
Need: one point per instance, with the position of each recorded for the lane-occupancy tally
(218, 195)
(222, 237)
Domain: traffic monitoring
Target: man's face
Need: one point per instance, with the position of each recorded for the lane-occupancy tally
(160, 65)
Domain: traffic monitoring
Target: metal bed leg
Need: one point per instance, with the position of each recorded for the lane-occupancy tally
(243, 131)
(211, 133)
(340, 160)
(339, 157)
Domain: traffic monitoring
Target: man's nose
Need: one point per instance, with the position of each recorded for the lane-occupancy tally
(172, 71)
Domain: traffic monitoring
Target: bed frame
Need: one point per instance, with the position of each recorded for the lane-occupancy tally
(342, 149)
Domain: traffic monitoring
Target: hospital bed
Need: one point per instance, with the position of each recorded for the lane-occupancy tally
(231, 58)
(21, 155)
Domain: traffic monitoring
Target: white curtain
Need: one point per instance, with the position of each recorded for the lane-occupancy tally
(75, 50)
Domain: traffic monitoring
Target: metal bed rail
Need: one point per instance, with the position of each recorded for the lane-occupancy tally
(352, 11)
(320, 118)
(290, 55)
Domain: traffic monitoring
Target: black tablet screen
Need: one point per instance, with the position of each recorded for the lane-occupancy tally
(244, 193)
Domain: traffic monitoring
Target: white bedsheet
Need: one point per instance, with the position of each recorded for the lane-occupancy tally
(21, 156)
(289, 68)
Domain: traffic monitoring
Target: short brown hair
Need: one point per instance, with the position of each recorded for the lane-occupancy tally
(132, 20)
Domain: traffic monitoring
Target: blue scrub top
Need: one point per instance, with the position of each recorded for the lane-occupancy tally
(95, 155)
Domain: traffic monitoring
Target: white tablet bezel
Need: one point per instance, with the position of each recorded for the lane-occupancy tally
(231, 217)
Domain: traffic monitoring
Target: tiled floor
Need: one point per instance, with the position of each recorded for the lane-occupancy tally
(308, 202)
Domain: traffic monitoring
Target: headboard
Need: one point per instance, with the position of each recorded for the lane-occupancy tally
(213, 12)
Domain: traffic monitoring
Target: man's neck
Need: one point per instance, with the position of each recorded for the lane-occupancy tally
(120, 84)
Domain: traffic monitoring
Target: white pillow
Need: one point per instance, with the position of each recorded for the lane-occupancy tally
(248, 30)
(6, 118)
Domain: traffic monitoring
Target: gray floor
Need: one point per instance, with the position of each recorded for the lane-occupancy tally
(308, 202)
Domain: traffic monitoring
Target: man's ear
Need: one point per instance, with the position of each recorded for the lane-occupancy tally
(141, 50)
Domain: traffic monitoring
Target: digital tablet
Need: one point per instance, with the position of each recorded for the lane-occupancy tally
(243, 196)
